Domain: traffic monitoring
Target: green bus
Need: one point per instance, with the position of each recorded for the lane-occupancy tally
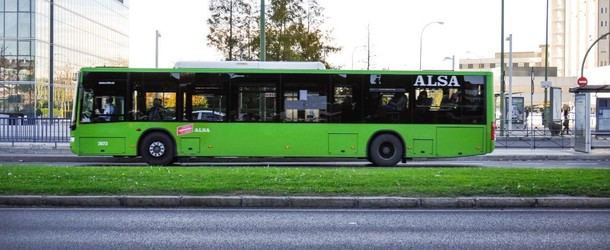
(386, 117)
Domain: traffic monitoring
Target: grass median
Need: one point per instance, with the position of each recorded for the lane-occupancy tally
(344, 181)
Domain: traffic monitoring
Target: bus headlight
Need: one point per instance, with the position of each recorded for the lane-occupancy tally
(71, 139)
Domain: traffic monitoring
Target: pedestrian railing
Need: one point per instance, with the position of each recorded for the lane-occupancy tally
(534, 138)
(23, 129)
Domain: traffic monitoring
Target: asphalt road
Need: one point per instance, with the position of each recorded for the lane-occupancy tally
(297, 229)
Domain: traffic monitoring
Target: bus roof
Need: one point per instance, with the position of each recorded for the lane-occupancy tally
(250, 65)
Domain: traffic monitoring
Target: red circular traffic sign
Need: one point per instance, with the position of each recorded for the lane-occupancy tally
(582, 81)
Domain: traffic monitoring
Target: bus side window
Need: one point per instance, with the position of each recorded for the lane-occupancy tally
(87, 106)
(103, 97)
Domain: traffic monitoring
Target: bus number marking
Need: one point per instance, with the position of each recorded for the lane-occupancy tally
(102, 143)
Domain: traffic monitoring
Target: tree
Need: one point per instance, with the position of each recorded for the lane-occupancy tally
(230, 25)
(293, 32)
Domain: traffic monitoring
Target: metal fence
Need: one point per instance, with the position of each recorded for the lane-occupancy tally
(45, 130)
(536, 138)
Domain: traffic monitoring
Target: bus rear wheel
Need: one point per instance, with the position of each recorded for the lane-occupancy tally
(385, 150)
(157, 149)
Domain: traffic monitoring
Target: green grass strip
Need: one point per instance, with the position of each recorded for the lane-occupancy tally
(361, 181)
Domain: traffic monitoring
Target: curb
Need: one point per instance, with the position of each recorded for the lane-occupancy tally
(108, 159)
(304, 202)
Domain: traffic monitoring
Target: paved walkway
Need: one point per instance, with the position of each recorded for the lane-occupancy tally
(61, 151)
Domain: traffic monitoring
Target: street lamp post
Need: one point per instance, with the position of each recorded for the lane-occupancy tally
(421, 37)
(157, 35)
(509, 119)
(51, 45)
(262, 54)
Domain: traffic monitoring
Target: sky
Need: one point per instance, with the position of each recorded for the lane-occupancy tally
(471, 29)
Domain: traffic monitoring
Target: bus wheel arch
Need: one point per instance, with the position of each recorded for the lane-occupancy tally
(386, 148)
(157, 147)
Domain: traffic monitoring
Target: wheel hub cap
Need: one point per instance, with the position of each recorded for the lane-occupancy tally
(156, 149)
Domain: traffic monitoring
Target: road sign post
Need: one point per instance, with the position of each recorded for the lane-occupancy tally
(582, 81)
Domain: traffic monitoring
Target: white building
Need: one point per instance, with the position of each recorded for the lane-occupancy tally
(574, 26)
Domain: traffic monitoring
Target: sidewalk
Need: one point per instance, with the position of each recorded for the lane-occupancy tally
(60, 152)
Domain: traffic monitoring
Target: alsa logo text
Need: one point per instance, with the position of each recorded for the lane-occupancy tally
(436, 81)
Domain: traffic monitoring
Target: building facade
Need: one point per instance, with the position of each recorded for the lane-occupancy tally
(603, 47)
(86, 33)
(575, 25)
(523, 64)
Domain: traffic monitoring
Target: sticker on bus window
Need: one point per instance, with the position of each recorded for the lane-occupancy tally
(184, 129)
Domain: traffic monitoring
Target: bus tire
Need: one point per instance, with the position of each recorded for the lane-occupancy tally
(157, 149)
(385, 150)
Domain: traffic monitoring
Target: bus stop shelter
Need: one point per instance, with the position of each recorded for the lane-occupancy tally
(582, 113)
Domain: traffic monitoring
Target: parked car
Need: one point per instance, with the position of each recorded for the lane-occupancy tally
(208, 115)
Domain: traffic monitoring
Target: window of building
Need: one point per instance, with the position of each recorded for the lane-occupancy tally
(24, 5)
(24, 48)
(26, 68)
(481, 65)
(492, 65)
(24, 25)
(10, 5)
(461, 66)
(10, 25)
(515, 65)
(10, 48)
(526, 65)
(470, 66)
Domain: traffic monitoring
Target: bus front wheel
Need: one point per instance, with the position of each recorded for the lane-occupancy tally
(157, 149)
(385, 150)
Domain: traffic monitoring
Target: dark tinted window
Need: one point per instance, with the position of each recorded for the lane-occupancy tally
(155, 96)
(345, 105)
(305, 98)
(387, 99)
(206, 98)
(450, 100)
(254, 97)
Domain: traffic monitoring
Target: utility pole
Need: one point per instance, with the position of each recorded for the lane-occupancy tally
(546, 112)
(531, 114)
(157, 35)
(502, 84)
(263, 43)
(510, 83)
(51, 106)
(368, 47)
